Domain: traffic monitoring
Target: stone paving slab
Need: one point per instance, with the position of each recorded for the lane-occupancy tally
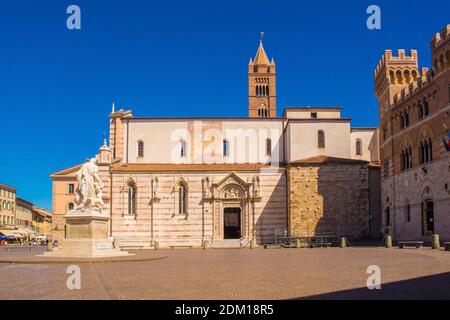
(331, 273)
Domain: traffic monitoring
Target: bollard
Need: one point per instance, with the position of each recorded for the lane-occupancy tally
(156, 245)
(436, 244)
(297, 243)
(343, 242)
(388, 241)
(251, 244)
(49, 246)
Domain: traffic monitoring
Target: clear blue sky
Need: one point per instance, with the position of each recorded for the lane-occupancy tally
(180, 58)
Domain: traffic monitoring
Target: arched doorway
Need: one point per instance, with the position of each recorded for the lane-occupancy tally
(427, 217)
(387, 220)
(232, 223)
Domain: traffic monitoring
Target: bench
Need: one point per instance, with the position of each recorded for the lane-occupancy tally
(8, 248)
(272, 246)
(447, 246)
(403, 244)
(320, 244)
(181, 247)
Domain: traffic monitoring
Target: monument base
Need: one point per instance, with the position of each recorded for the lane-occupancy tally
(86, 237)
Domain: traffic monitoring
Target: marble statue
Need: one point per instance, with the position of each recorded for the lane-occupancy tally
(89, 192)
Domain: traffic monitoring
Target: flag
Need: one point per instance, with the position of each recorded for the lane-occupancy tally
(446, 142)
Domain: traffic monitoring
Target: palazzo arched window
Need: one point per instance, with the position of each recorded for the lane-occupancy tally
(226, 151)
(358, 147)
(140, 148)
(183, 148)
(321, 139)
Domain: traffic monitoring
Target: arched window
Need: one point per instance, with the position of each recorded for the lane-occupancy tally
(182, 199)
(407, 212)
(140, 148)
(268, 147)
(262, 111)
(70, 206)
(132, 198)
(420, 107)
(358, 147)
(430, 150)
(399, 77)
(182, 148)
(226, 151)
(425, 107)
(321, 139)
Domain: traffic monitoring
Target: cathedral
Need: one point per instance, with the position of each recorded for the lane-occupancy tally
(227, 181)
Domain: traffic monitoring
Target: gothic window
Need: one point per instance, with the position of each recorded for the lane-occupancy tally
(384, 133)
(425, 107)
(268, 147)
(386, 167)
(426, 151)
(183, 148)
(420, 108)
(70, 206)
(408, 212)
(406, 159)
(140, 148)
(430, 150)
(320, 139)
(421, 153)
(226, 151)
(182, 199)
(358, 147)
(132, 199)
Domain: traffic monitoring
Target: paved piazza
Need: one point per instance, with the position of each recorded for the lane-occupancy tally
(328, 273)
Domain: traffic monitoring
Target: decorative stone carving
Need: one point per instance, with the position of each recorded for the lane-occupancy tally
(89, 193)
(232, 193)
(155, 187)
(256, 186)
(206, 187)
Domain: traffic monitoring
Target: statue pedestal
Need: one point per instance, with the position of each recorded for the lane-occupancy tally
(86, 237)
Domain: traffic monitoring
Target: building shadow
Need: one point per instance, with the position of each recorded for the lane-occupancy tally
(423, 288)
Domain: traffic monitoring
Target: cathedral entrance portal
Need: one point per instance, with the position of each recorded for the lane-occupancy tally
(232, 223)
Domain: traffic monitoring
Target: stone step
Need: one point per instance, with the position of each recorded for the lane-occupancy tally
(228, 243)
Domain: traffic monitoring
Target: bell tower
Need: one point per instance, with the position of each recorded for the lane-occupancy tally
(262, 97)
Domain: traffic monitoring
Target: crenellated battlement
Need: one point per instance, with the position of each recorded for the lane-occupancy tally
(388, 59)
(440, 38)
(422, 80)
